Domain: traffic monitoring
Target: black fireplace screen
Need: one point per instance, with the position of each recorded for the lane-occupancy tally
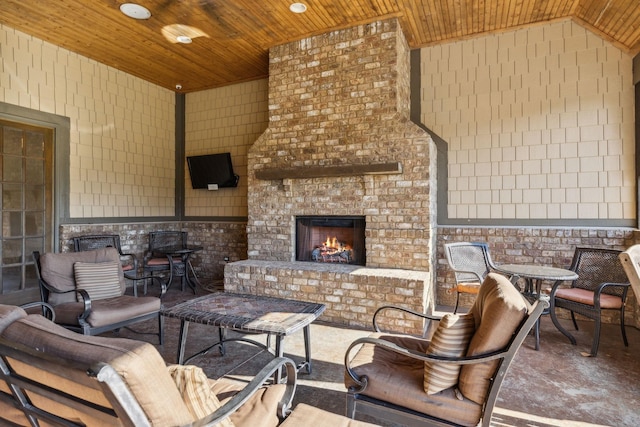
(338, 239)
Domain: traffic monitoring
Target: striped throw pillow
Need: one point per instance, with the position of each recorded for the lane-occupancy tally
(451, 338)
(193, 385)
(100, 279)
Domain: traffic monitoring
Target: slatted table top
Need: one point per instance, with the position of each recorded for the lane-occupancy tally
(249, 313)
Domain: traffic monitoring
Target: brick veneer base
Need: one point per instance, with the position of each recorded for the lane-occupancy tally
(351, 293)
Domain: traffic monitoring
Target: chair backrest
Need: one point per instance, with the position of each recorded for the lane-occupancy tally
(470, 261)
(99, 241)
(596, 266)
(56, 272)
(630, 260)
(166, 239)
(96, 241)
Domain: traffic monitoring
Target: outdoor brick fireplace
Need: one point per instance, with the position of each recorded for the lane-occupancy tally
(340, 144)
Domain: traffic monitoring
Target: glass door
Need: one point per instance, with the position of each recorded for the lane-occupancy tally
(26, 189)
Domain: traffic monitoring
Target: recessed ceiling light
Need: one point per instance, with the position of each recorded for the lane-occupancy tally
(184, 39)
(298, 7)
(135, 11)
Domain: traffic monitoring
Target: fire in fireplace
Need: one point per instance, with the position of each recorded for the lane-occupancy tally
(330, 239)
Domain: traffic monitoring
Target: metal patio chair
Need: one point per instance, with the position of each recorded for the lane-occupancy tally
(470, 262)
(99, 241)
(602, 284)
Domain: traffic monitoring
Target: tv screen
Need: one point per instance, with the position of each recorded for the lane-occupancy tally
(212, 169)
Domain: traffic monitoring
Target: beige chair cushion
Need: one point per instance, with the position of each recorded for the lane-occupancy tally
(138, 363)
(57, 270)
(100, 279)
(193, 385)
(261, 410)
(108, 311)
(306, 415)
(450, 339)
(498, 311)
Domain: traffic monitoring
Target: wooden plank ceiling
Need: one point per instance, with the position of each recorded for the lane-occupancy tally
(231, 38)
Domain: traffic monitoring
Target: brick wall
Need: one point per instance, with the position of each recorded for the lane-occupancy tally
(352, 294)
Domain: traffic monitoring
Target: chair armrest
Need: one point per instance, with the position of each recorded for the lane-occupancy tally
(47, 309)
(134, 260)
(148, 254)
(138, 281)
(602, 286)
(405, 310)
(284, 406)
(86, 299)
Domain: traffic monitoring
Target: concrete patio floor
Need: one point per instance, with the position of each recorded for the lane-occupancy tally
(555, 386)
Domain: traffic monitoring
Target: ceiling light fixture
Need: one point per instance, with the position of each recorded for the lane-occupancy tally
(135, 11)
(184, 39)
(298, 7)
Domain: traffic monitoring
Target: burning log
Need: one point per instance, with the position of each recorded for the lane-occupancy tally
(332, 251)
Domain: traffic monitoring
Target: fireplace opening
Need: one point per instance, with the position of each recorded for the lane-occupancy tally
(330, 239)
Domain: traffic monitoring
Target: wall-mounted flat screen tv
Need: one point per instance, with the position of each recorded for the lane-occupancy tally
(212, 170)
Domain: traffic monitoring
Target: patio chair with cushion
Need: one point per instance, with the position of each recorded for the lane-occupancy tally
(602, 285)
(99, 241)
(452, 379)
(87, 292)
(470, 262)
(156, 262)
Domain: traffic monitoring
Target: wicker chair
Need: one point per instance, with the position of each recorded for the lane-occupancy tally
(470, 262)
(602, 284)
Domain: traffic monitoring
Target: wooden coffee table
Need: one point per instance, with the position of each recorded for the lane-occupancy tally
(248, 314)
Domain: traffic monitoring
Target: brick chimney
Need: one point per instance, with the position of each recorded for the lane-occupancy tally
(340, 142)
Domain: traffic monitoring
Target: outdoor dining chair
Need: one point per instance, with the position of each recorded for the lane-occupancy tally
(99, 241)
(602, 285)
(154, 261)
(470, 262)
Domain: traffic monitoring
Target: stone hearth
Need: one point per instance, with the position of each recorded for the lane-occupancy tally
(340, 138)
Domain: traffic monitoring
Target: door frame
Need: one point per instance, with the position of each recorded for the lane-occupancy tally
(61, 127)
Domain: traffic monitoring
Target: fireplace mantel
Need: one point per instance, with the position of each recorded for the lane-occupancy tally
(329, 171)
